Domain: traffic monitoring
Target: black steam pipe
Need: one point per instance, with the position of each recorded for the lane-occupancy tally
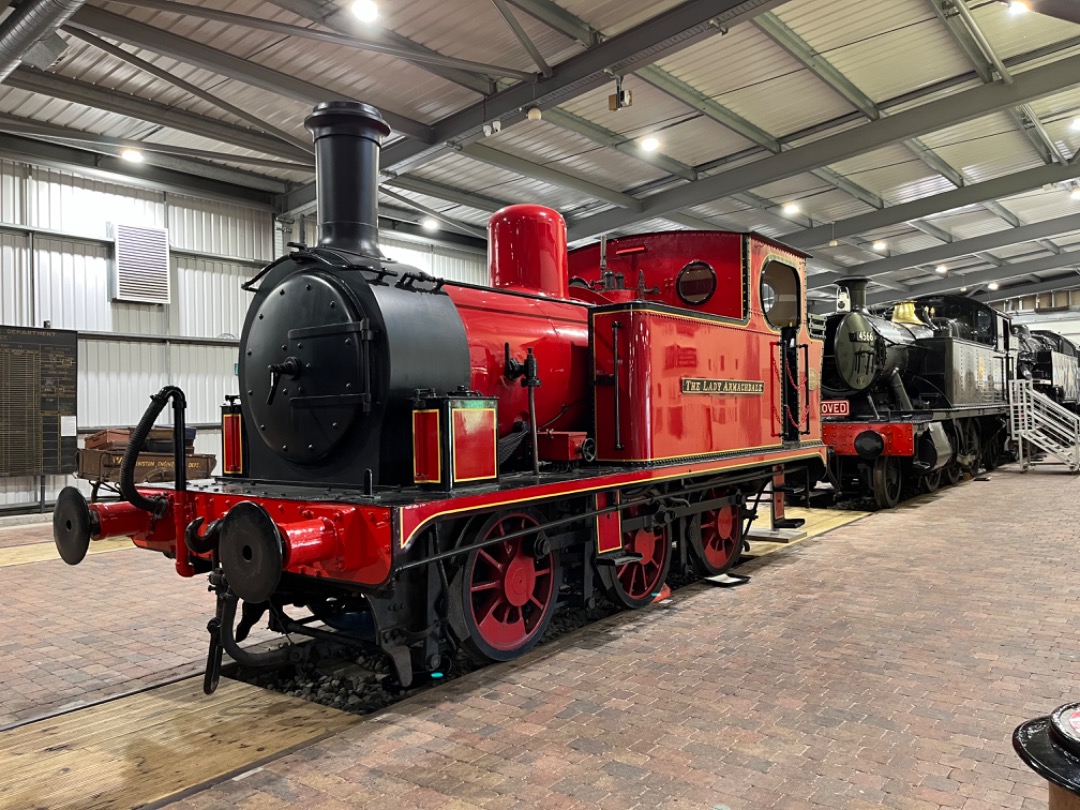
(348, 136)
(155, 506)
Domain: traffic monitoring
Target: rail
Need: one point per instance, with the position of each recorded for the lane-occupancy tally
(1036, 422)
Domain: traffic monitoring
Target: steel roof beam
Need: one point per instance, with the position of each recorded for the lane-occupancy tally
(798, 48)
(188, 87)
(1007, 270)
(460, 227)
(964, 247)
(676, 28)
(522, 37)
(980, 52)
(1056, 284)
(410, 54)
(602, 135)
(999, 210)
(335, 19)
(147, 175)
(963, 106)
(28, 126)
(91, 95)
(547, 174)
(791, 42)
(681, 91)
(116, 26)
(470, 199)
(559, 19)
(973, 194)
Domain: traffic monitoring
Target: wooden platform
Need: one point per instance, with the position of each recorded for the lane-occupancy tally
(40, 552)
(146, 747)
(818, 522)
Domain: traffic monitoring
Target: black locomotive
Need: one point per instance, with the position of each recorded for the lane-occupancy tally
(1050, 361)
(914, 397)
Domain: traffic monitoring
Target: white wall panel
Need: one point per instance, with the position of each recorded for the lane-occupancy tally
(439, 260)
(73, 291)
(82, 206)
(13, 192)
(209, 226)
(206, 374)
(207, 299)
(116, 380)
(26, 490)
(16, 283)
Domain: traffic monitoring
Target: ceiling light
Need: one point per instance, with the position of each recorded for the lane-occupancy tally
(649, 144)
(791, 208)
(1074, 125)
(879, 245)
(963, 289)
(1018, 7)
(429, 224)
(1075, 193)
(834, 243)
(534, 114)
(365, 10)
(993, 285)
(941, 269)
(131, 155)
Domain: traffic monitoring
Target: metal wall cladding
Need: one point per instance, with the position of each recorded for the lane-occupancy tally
(444, 261)
(13, 191)
(207, 299)
(73, 291)
(210, 226)
(16, 281)
(207, 374)
(82, 206)
(116, 379)
(25, 491)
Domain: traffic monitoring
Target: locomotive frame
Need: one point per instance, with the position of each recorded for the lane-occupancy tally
(428, 467)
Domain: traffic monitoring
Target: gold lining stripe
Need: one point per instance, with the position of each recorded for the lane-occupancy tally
(593, 486)
(438, 446)
(453, 454)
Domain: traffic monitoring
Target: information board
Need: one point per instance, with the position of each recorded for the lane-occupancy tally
(38, 393)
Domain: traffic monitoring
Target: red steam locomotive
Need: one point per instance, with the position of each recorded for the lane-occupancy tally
(422, 465)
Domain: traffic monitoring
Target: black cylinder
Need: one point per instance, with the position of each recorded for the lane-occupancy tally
(856, 287)
(348, 136)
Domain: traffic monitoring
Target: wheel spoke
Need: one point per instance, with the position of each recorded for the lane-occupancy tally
(484, 586)
(499, 566)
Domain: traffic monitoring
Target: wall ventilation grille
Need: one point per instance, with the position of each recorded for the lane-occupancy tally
(141, 269)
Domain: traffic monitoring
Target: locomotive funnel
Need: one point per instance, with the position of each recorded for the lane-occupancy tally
(348, 137)
(856, 287)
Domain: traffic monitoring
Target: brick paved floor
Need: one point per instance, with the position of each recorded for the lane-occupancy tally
(882, 665)
(116, 622)
(22, 535)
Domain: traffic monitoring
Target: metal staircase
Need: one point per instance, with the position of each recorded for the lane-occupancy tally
(1037, 423)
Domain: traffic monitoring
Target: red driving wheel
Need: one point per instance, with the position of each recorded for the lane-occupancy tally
(636, 584)
(721, 536)
(508, 593)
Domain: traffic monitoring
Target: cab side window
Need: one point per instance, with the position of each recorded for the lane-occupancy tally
(781, 299)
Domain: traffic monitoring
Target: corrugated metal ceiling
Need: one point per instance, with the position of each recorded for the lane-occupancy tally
(899, 53)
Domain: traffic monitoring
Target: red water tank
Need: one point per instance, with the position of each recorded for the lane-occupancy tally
(527, 250)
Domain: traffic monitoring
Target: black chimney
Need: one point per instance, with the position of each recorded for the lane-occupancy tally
(348, 136)
(856, 287)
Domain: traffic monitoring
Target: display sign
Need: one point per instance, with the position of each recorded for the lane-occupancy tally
(39, 370)
(835, 407)
(692, 385)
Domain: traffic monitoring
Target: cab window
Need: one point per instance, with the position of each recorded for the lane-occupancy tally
(780, 294)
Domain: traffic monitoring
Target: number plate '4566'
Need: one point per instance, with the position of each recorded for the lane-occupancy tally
(835, 407)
